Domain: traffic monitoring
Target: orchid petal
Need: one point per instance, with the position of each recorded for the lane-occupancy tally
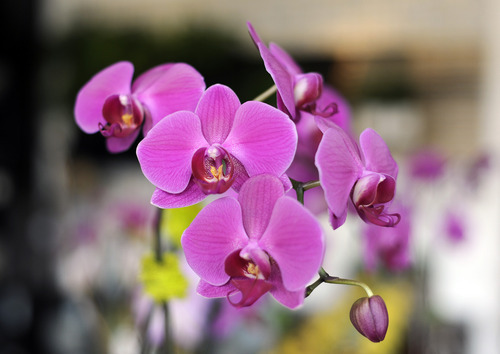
(114, 79)
(165, 153)
(263, 139)
(294, 239)
(216, 110)
(209, 290)
(285, 59)
(240, 175)
(116, 145)
(338, 220)
(168, 88)
(339, 166)
(216, 232)
(281, 77)
(255, 37)
(287, 184)
(257, 198)
(190, 196)
(378, 158)
(251, 290)
(291, 299)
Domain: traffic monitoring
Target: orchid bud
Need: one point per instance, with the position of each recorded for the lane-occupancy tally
(369, 316)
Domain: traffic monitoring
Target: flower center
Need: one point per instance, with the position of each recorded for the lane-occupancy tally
(123, 114)
(252, 270)
(248, 279)
(213, 169)
(307, 89)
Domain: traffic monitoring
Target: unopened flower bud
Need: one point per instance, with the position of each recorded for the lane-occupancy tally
(369, 316)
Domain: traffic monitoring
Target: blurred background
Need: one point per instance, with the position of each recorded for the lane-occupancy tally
(76, 220)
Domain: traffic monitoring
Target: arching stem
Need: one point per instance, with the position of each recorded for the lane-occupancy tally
(266, 94)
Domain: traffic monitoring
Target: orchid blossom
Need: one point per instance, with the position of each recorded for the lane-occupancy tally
(190, 155)
(309, 136)
(261, 242)
(368, 179)
(298, 92)
(111, 104)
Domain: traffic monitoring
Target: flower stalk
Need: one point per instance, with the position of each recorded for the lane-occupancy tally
(301, 187)
(167, 346)
(266, 94)
(324, 277)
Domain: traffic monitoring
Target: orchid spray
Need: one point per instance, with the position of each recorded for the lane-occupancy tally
(254, 237)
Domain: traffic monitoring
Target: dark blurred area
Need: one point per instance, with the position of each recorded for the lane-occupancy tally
(27, 293)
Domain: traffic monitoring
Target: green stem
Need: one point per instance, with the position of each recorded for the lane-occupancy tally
(265, 95)
(168, 345)
(335, 280)
(324, 277)
(157, 246)
(299, 189)
(311, 185)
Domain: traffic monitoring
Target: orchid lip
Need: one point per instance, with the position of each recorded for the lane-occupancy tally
(247, 276)
(371, 194)
(123, 114)
(213, 169)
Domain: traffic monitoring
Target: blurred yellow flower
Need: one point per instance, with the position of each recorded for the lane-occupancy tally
(175, 221)
(163, 280)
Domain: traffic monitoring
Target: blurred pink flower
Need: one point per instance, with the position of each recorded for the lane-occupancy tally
(110, 103)
(389, 246)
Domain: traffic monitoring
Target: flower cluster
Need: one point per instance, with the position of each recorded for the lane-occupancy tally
(254, 237)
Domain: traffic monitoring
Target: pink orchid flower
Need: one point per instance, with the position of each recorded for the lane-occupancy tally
(309, 133)
(188, 156)
(368, 179)
(298, 92)
(261, 242)
(111, 104)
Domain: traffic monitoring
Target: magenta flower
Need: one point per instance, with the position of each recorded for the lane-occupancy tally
(297, 91)
(369, 180)
(455, 226)
(309, 135)
(264, 241)
(427, 165)
(388, 245)
(111, 104)
(188, 156)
